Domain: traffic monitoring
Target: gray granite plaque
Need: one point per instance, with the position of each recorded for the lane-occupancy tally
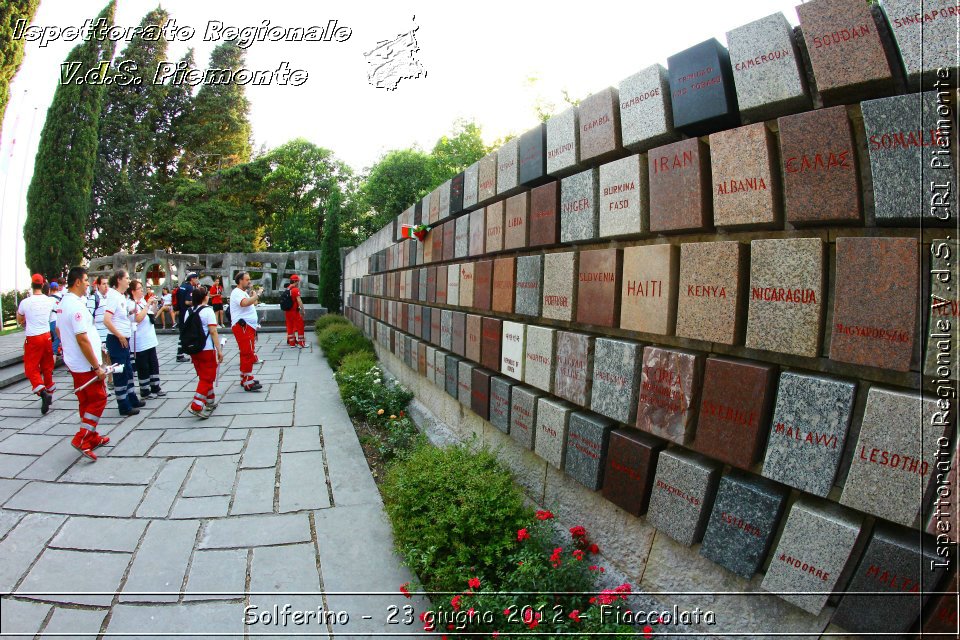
(470, 181)
(574, 367)
(446, 328)
(682, 494)
(465, 383)
(478, 231)
(579, 206)
(559, 290)
(431, 365)
(440, 369)
(508, 167)
(500, 389)
(444, 202)
(422, 290)
(453, 284)
(540, 358)
(623, 197)
(529, 292)
(523, 415)
(646, 116)
(563, 143)
(587, 441)
(452, 373)
(925, 33)
(413, 345)
(553, 419)
(487, 178)
(616, 365)
(462, 237)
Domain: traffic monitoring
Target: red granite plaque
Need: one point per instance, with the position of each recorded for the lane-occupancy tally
(482, 284)
(631, 466)
(480, 392)
(417, 328)
(516, 214)
(544, 217)
(494, 241)
(449, 239)
(478, 232)
(876, 302)
(491, 333)
(431, 285)
(820, 182)
(680, 196)
(458, 333)
(504, 284)
(404, 318)
(437, 238)
(600, 126)
(734, 407)
(415, 285)
(598, 287)
(473, 337)
(442, 285)
(422, 358)
(435, 326)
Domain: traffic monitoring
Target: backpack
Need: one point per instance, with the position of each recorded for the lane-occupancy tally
(286, 300)
(193, 336)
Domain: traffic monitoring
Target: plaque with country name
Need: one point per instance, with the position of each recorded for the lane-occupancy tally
(553, 420)
(516, 215)
(458, 333)
(600, 126)
(679, 176)
(487, 179)
(579, 206)
(493, 242)
(456, 194)
(508, 167)
(478, 232)
(682, 495)
(544, 218)
(669, 393)
(624, 206)
(483, 285)
(540, 357)
(702, 92)
(646, 115)
(746, 185)
(616, 369)
(473, 337)
(563, 143)
(480, 392)
(523, 415)
(465, 383)
(559, 290)
(513, 349)
(500, 391)
(470, 178)
(587, 438)
(648, 294)
(574, 367)
(631, 463)
(711, 291)
(466, 284)
(453, 285)
(491, 334)
(529, 285)
(598, 286)
(533, 156)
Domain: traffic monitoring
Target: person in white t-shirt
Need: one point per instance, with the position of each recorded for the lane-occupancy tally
(207, 361)
(145, 341)
(166, 308)
(244, 324)
(81, 354)
(117, 319)
(98, 300)
(56, 295)
(34, 313)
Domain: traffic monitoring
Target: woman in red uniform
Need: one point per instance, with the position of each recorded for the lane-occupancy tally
(216, 299)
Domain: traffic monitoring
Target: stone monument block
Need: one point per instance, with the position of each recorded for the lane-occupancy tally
(426, 323)
(767, 69)
(513, 349)
(679, 176)
(563, 143)
(587, 440)
(494, 219)
(925, 34)
(458, 333)
(446, 329)
(442, 284)
(711, 291)
(417, 328)
(402, 349)
(623, 197)
(876, 302)
(453, 285)
(478, 232)
(746, 187)
(471, 177)
(616, 369)
(669, 393)
(787, 291)
(465, 383)
(544, 219)
(896, 561)
(734, 409)
(461, 242)
(431, 359)
(516, 216)
(456, 194)
(682, 495)
(422, 359)
(508, 167)
(473, 337)
(422, 288)
(815, 545)
(631, 463)
(412, 249)
(426, 210)
(540, 360)
(743, 522)
(483, 285)
(808, 431)
(529, 292)
(480, 392)
(435, 321)
(579, 206)
(431, 285)
(895, 456)
(466, 284)
(941, 612)
(420, 250)
(600, 126)
(553, 420)
(646, 115)
(487, 178)
(435, 205)
(648, 295)
(560, 272)
(491, 334)
(908, 158)
(598, 287)
(845, 50)
(449, 239)
(440, 369)
(500, 391)
(452, 372)
(436, 240)
(504, 284)
(533, 156)
(574, 367)
(445, 200)
(523, 415)
(702, 92)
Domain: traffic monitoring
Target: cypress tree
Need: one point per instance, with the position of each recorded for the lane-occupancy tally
(58, 199)
(174, 111)
(11, 51)
(330, 270)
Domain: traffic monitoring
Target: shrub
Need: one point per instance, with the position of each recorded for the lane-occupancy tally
(366, 394)
(327, 320)
(400, 438)
(339, 340)
(453, 511)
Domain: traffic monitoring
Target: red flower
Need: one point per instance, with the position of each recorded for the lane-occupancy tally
(404, 590)
(531, 619)
(507, 612)
(423, 616)
(473, 583)
(593, 567)
(544, 515)
(578, 554)
(455, 602)
(401, 414)
(594, 548)
(578, 532)
(522, 535)
(555, 557)
(648, 631)
(575, 615)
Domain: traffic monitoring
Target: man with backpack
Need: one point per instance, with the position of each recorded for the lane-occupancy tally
(292, 305)
(183, 300)
(199, 338)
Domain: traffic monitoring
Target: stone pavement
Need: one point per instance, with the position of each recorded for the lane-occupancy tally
(183, 526)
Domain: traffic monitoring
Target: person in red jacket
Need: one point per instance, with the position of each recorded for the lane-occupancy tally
(216, 299)
(34, 313)
(294, 315)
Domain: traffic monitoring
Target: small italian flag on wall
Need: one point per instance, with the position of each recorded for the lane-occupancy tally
(419, 232)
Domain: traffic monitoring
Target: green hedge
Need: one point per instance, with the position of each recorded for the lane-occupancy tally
(339, 340)
(327, 320)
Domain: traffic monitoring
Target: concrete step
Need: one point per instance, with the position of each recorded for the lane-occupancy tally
(11, 374)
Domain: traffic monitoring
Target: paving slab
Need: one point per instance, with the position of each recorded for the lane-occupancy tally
(223, 570)
(20, 616)
(161, 562)
(79, 622)
(256, 531)
(63, 575)
(200, 618)
(255, 491)
(303, 483)
(212, 477)
(78, 499)
(100, 534)
(24, 543)
(164, 490)
(301, 439)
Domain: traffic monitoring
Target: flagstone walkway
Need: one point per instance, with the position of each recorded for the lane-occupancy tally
(186, 527)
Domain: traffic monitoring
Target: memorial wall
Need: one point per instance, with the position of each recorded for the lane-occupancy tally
(711, 313)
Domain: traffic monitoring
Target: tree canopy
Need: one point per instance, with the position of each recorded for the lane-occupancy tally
(11, 50)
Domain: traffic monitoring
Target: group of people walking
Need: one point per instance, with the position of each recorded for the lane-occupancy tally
(112, 322)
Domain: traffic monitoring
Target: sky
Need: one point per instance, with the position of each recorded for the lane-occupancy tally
(479, 59)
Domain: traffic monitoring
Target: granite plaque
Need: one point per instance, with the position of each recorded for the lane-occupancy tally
(480, 393)
(574, 367)
(541, 357)
(446, 329)
(491, 333)
(449, 239)
(487, 178)
(444, 203)
(500, 390)
(544, 221)
(894, 456)
(473, 337)
(458, 333)
(787, 283)
(669, 393)
(702, 93)
(436, 240)
(682, 495)
(679, 175)
(875, 302)
(743, 522)
(478, 232)
(646, 115)
(845, 50)
(411, 350)
(465, 383)
(431, 284)
(456, 194)
(623, 197)
(616, 369)
(440, 369)
(435, 321)
(563, 143)
(579, 206)
(600, 126)
(734, 409)
(598, 287)
(452, 372)
(402, 349)
(587, 440)
(416, 327)
(711, 293)
(494, 222)
(435, 206)
(533, 156)
(926, 37)
(516, 214)
(631, 463)
(746, 187)
(553, 420)
(422, 359)
(648, 295)
(470, 181)
(426, 210)
(529, 285)
(508, 167)
(466, 284)
(820, 181)
(767, 69)
(523, 415)
(941, 612)
(414, 287)
(513, 349)
(815, 545)
(461, 242)
(503, 284)
(422, 287)
(453, 285)
(483, 285)
(560, 272)
(442, 284)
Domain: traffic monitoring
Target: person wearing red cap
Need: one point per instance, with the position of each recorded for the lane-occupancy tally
(294, 315)
(34, 313)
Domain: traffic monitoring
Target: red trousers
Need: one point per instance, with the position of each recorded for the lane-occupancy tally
(294, 326)
(205, 364)
(247, 342)
(38, 362)
(92, 399)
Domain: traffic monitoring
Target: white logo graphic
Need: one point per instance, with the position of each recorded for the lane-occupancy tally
(394, 60)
